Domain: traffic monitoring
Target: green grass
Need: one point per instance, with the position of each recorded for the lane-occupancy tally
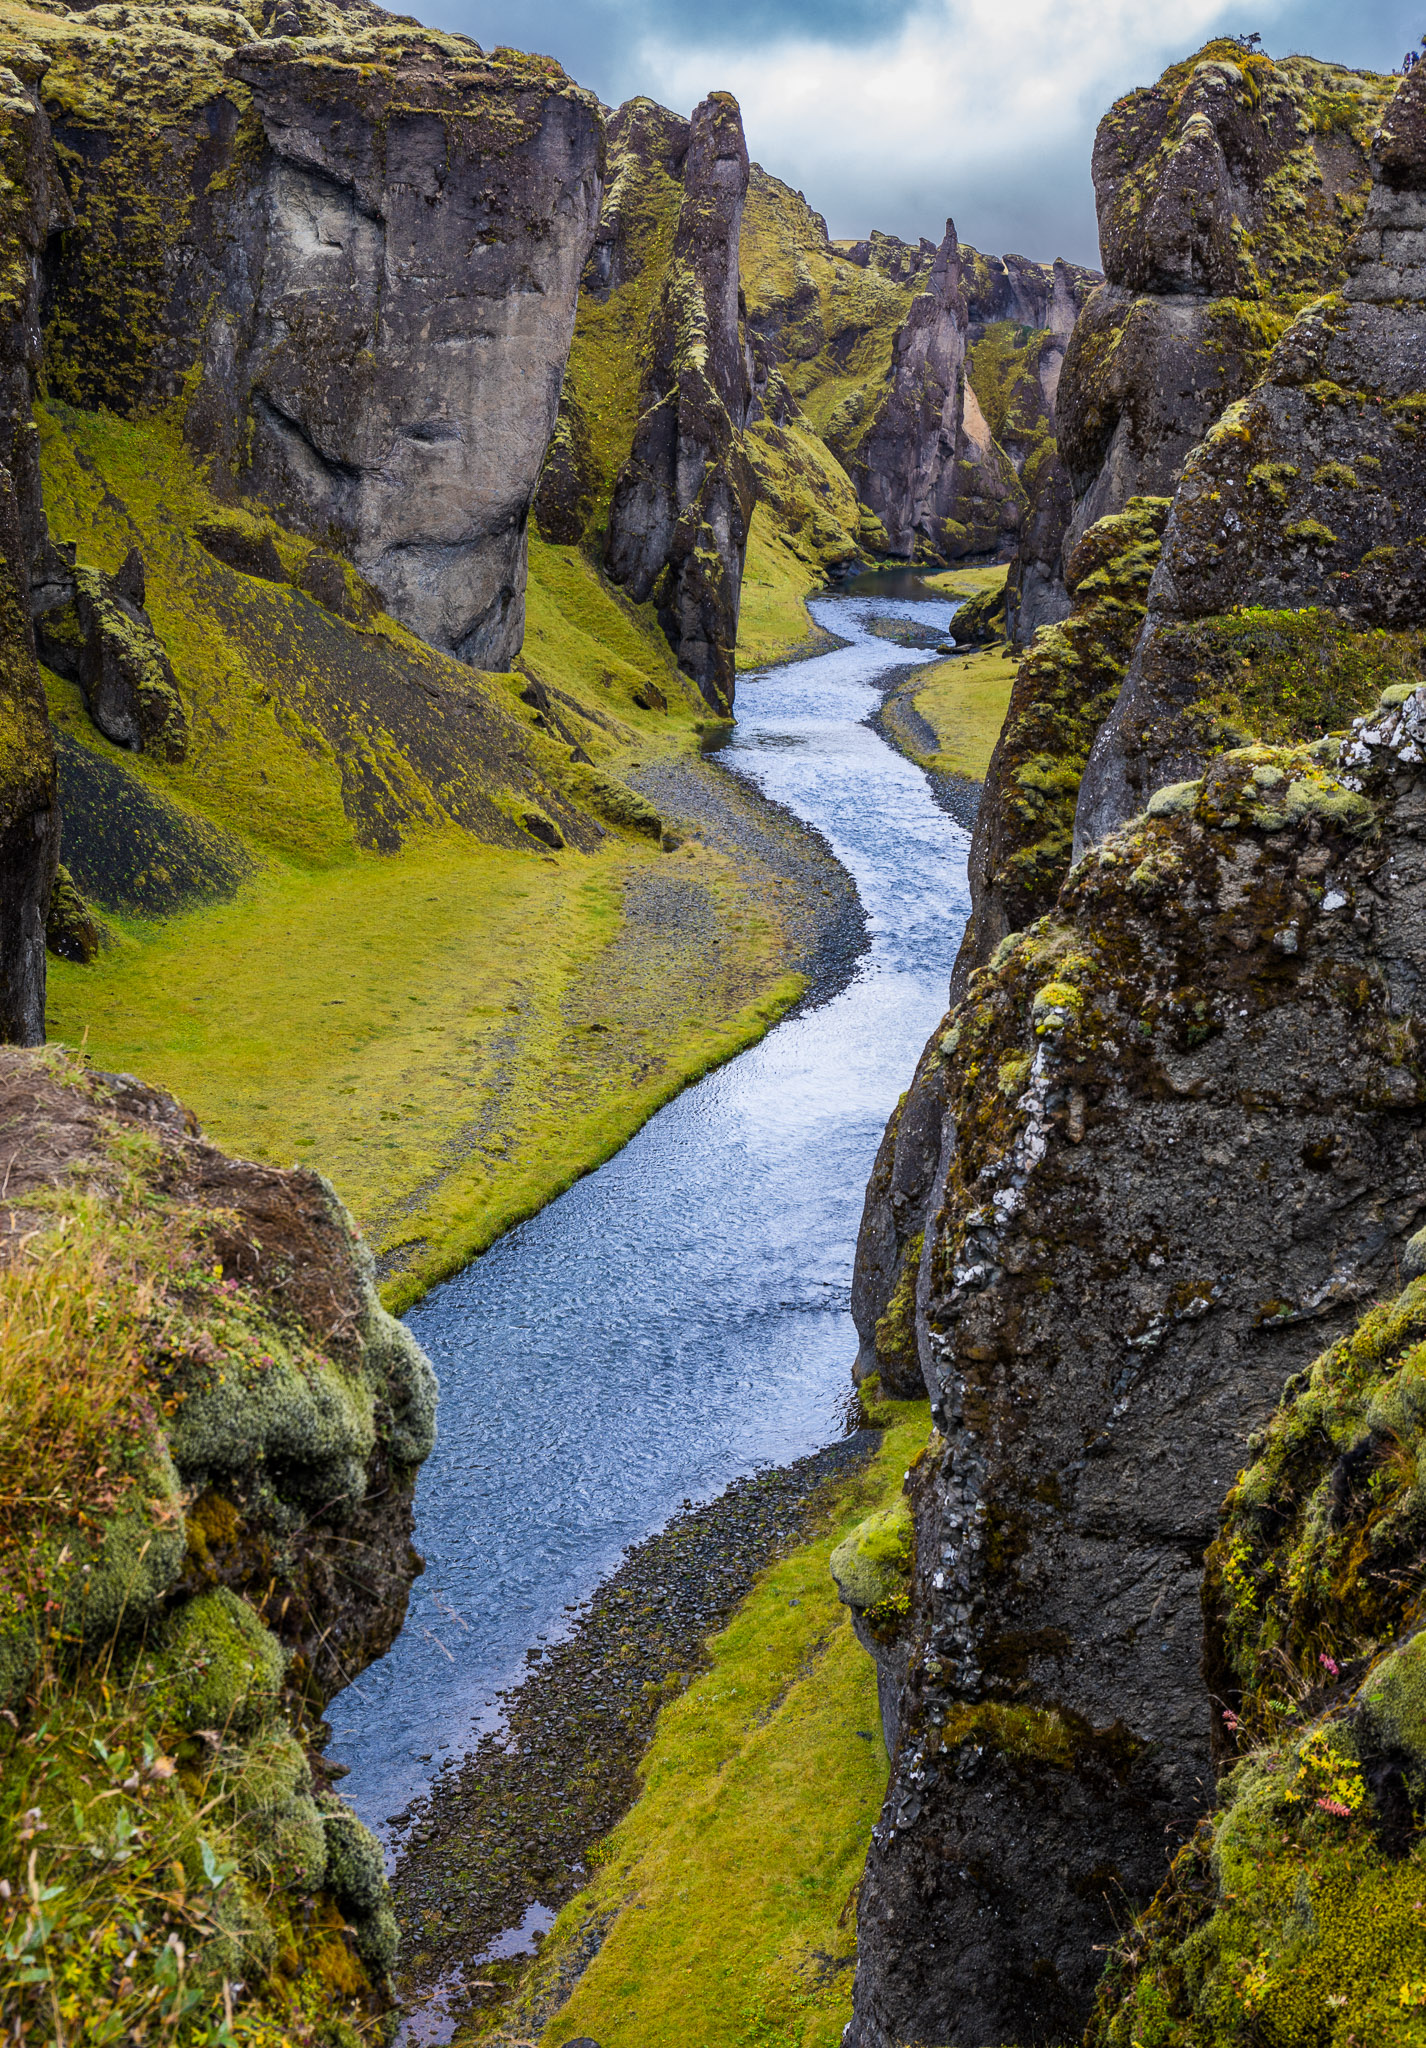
(731, 1882)
(965, 701)
(968, 582)
(409, 993)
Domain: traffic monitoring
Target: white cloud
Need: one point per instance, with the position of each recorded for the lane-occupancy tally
(982, 109)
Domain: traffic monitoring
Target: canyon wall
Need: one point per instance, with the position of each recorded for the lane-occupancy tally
(678, 518)
(1164, 1150)
(1223, 192)
(29, 810)
(356, 249)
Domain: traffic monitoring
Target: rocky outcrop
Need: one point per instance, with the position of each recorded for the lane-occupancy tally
(93, 629)
(224, 1430)
(1229, 187)
(1306, 502)
(281, 219)
(927, 464)
(678, 519)
(29, 812)
(1201, 1050)
(1184, 1141)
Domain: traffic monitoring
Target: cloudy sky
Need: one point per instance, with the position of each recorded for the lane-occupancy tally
(896, 113)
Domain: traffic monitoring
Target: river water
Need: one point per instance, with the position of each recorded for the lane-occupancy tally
(681, 1316)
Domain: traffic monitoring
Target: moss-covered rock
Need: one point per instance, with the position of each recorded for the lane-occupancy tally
(1294, 1913)
(218, 1427)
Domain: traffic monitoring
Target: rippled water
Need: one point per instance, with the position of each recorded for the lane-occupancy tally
(680, 1316)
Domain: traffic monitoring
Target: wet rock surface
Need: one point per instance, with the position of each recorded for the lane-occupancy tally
(510, 1825)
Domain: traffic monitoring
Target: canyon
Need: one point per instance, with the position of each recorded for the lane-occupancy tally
(405, 464)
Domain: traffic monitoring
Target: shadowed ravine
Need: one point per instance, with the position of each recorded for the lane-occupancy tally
(680, 1317)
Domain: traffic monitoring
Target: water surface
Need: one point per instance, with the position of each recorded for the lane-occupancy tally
(680, 1316)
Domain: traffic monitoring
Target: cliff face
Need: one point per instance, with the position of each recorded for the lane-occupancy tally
(1305, 499)
(361, 251)
(912, 366)
(29, 816)
(1223, 193)
(678, 518)
(212, 1537)
(1180, 1148)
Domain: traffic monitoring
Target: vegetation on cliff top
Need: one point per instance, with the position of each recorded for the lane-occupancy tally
(184, 1416)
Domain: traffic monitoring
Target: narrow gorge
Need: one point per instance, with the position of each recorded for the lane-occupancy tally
(713, 1239)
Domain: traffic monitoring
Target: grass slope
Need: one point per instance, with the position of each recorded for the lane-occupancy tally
(727, 1894)
(964, 701)
(339, 942)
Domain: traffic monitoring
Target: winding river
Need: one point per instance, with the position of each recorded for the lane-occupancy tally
(680, 1316)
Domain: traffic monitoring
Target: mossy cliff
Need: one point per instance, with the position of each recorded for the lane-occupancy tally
(209, 1435)
(1196, 1051)
(1294, 1912)
(1176, 1118)
(238, 197)
(1227, 196)
(1305, 496)
(29, 820)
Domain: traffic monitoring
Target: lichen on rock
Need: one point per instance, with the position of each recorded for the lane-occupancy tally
(209, 1432)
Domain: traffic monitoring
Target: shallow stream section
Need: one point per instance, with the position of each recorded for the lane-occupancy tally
(679, 1317)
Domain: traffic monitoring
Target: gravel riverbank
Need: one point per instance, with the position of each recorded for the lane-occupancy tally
(499, 1845)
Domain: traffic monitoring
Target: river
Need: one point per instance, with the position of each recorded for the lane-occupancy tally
(681, 1316)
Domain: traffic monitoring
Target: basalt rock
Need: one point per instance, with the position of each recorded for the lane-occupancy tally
(928, 465)
(1211, 1044)
(1224, 192)
(357, 248)
(678, 520)
(1306, 500)
(29, 815)
(92, 628)
(1020, 853)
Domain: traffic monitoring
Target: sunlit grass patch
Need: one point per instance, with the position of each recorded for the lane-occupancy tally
(964, 700)
(732, 1881)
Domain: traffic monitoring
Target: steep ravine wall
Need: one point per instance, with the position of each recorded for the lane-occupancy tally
(1225, 193)
(1176, 1121)
(270, 227)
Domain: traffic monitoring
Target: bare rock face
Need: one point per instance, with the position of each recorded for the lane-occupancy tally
(425, 215)
(29, 812)
(1308, 493)
(367, 242)
(1222, 191)
(678, 520)
(928, 465)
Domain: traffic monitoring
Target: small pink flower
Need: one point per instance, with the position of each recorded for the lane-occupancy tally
(1330, 1662)
(1335, 1806)
(1231, 1721)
